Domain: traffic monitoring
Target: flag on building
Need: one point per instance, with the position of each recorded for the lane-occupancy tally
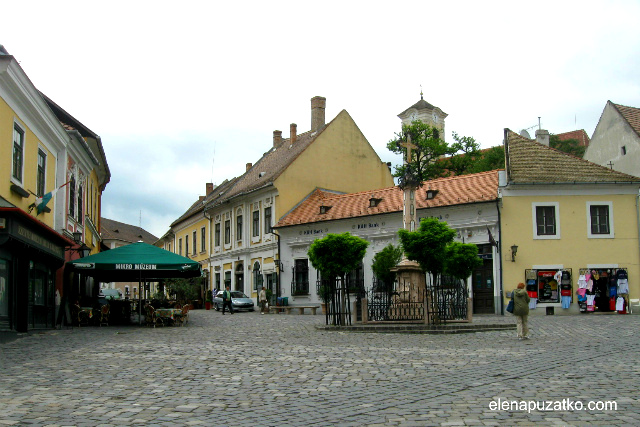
(491, 239)
(41, 202)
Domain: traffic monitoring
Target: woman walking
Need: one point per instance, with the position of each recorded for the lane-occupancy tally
(521, 310)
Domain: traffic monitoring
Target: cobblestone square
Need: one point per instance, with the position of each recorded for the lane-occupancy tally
(275, 370)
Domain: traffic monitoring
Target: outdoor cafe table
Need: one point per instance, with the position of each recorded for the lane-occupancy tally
(168, 314)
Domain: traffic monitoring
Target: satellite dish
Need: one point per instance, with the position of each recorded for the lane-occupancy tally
(525, 134)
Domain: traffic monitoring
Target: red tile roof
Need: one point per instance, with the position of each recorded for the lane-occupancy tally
(580, 135)
(456, 190)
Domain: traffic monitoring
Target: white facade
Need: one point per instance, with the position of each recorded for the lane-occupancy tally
(242, 254)
(615, 143)
(471, 221)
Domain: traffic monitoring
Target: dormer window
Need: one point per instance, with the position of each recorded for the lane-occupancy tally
(373, 202)
(431, 194)
(324, 209)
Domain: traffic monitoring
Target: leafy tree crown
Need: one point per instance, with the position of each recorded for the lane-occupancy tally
(337, 254)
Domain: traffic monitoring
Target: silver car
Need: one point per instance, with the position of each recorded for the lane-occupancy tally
(239, 301)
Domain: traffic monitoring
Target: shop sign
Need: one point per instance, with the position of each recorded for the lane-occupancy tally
(36, 240)
(369, 225)
(312, 232)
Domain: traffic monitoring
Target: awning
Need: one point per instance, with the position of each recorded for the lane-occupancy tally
(137, 261)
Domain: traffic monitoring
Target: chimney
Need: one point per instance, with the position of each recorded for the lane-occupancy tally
(293, 127)
(277, 137)
(542, 136)
(209, 188)
(249, 166)
(318, 104)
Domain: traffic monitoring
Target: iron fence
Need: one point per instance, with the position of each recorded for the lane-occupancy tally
(335, 294)
(448, 299)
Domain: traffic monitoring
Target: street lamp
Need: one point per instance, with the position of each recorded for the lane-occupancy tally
(83, 250)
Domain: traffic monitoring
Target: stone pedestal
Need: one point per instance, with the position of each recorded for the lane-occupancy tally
(409, 301)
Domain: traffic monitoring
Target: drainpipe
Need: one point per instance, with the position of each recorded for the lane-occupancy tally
(277, 266)
(209, 287)
(500, 255)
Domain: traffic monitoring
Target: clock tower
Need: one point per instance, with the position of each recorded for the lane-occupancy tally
(426, 113)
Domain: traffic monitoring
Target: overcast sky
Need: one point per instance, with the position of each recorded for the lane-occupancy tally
(184, 93)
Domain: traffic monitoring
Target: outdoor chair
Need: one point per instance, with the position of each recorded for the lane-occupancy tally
(81, 315)
(150, 316)
(184, 318)
(104, 315)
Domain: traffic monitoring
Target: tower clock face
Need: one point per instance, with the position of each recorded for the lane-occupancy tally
(435, 118)
(413, 117)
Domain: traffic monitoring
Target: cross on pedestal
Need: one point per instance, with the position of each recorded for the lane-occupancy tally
(409, 221)
(409, 146)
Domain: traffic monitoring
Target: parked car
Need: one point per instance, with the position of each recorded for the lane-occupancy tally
(109, 294)
(239, 301)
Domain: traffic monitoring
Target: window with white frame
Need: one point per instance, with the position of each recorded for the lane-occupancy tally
(72, 197)
(267, 219)
(80, 204)
(546, 220)
(203, 239)
(18, 153)
(600, 220)
(256, 224)
(179, 246)
(42, 168)
(195, 240)
(227, 232)
(186, 245)
(239, 227)
(216, 234)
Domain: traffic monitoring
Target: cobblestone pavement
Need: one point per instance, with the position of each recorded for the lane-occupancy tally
(275, 370)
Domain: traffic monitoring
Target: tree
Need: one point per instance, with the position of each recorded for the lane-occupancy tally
(427, 244)
(461, 260)
(467, 152)
(488, 160)
(337, 254)
(423, 165)
(432, 246)
(382, 264)
(184, 289)
(432, 157)
(569, 146)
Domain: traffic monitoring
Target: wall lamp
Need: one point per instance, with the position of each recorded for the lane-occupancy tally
(83, 250)
(279, 264)
(514, 251)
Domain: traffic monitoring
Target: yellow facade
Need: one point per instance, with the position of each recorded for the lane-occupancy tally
(31, 146)
(575, 249)
(184, 238)
(340, 159)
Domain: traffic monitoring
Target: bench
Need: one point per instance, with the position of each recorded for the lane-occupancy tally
(288, 308)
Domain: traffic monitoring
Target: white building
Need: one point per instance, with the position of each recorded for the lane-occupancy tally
(468, 204)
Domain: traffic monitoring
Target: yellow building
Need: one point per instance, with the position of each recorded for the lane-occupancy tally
(242, 250)
(54, 171)
(568, 224)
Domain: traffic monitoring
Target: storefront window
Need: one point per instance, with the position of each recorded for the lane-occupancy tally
(548, 290)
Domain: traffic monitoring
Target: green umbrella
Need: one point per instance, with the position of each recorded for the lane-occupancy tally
(137, 261)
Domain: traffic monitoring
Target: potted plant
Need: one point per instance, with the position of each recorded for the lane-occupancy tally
(208, 301)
